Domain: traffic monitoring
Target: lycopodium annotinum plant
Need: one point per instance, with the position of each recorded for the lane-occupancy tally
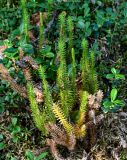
(67, 117)
(71, 127)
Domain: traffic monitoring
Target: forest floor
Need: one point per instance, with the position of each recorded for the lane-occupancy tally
(110, 143)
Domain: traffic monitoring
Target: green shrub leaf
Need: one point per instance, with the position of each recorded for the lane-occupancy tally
(113, 94)
(120, 76)
(113, 70)
(109, 76)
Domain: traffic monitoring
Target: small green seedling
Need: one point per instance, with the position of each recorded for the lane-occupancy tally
(115, 75)
(112, 104)
(15, 130)
(30, 156)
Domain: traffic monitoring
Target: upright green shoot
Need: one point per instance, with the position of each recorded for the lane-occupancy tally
(85, 65)
(63, 81)
(93, 73)
(73, 74)
(83, 108)
(41, 32)
(25, 21)
(50, 3)
(38, 117)
(89, 77)
(48, 102)
(70, 28)
(62, 25)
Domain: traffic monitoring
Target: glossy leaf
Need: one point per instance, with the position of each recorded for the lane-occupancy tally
(113, 94)
(109, 76)
(120, 76)
(107, 104)
(119, 102)
(113, 70)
